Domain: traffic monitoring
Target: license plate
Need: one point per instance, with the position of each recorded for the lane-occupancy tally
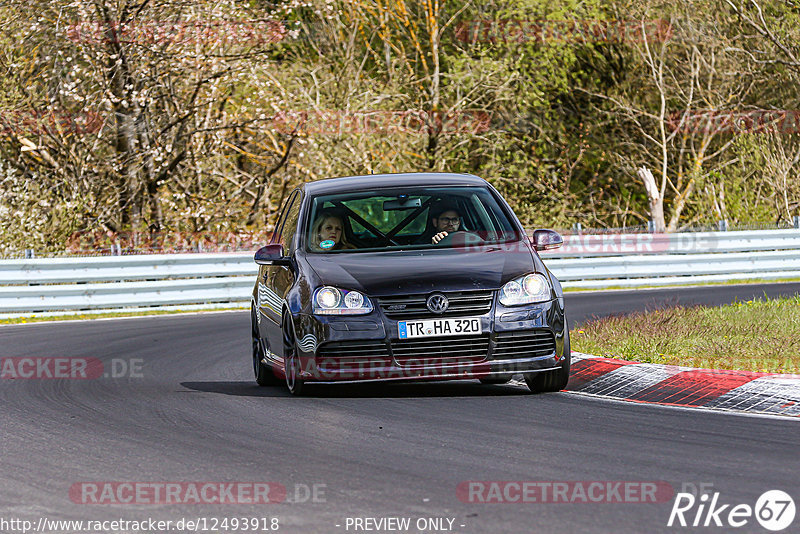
(439, 327)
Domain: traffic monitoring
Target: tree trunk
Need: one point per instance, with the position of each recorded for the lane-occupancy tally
(655, 198)
(156, 214)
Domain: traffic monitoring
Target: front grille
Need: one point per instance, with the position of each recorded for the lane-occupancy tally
(351, 354)
(462, 303)
(440, 351)
(523, 344)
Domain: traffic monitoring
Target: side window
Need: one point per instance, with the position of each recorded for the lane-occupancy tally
(289, 229)
(282, 218)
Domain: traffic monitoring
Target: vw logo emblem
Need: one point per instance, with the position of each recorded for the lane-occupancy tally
(437, 303)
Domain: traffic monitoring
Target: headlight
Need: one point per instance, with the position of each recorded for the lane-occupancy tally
(525, 290)
(334, 301)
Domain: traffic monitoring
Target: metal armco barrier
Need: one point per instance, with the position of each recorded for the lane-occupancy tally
(589, 245)
(53, 285)
(595, 261)
(46, 285)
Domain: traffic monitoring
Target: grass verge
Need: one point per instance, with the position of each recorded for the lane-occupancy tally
(756, 335)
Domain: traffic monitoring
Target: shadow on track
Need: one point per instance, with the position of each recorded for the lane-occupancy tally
(372, 390)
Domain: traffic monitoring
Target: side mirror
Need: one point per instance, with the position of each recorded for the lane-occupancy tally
(546, 240)
(271, 255)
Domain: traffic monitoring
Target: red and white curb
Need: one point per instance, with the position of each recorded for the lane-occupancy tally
(672, 385)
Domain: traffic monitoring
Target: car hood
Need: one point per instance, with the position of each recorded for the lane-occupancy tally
(422, 271)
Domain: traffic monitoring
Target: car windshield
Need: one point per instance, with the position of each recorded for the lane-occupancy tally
(421, 217)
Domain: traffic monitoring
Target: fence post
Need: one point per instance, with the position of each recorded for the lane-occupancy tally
(723, 225)
(29, 254)
(116, 250)
(651, 226)
(578, 228)
(796, 220)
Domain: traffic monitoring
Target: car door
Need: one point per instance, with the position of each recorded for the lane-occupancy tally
(275, 281)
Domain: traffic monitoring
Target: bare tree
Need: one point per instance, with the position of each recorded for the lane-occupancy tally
(172, 81)
(669, 120)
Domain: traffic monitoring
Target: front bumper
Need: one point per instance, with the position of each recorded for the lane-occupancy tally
(368, 348)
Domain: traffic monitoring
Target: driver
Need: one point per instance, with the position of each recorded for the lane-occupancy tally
(446, 220)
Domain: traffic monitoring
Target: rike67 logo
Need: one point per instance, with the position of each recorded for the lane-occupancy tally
(774, 510)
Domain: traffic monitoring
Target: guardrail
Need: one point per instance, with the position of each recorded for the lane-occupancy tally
(596, 261)
(69, 285)
(591, 245)
(52, 285)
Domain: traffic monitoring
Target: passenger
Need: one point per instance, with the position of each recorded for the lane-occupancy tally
(327, 234)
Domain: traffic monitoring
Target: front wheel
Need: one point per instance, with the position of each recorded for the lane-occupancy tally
(548, 381)
(495, 381)
(291, 358)
(263, 372)
(551, 380)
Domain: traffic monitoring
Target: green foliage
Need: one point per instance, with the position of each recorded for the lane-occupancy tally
(557, 103)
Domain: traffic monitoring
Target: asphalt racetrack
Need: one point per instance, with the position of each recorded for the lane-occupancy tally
(176, 402)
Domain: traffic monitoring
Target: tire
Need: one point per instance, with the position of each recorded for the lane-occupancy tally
(262, 371)
(551, 380)
(291, 358)
(495, 381)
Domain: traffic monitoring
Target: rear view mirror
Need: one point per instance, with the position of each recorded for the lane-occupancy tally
(271, 255)
(402, 204)
(546, 239)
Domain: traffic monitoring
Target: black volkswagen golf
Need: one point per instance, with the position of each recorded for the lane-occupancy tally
(406, 277)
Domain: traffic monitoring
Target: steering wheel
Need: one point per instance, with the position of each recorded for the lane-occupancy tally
(462, 238)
